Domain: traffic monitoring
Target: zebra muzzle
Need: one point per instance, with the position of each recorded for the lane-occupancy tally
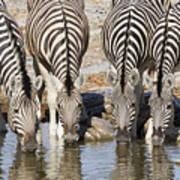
(30, 143)
(122, 136)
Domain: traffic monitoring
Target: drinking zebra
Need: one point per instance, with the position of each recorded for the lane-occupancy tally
(57, 38)
(126, 37)
(24, 107)
(165, 50)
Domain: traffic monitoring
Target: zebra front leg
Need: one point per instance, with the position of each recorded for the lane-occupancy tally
(148, 136)
(51, 98)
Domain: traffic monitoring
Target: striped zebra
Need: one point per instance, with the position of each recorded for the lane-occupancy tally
(57, 38)
(165, 50)
(24, 107)
(126, 36)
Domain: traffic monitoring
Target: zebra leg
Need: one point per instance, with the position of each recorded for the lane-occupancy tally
(51, 98)
(139, 94)
(37, 72)
(148, 137)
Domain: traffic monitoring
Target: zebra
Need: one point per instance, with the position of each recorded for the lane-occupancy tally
(165, 51)
(126, 36)
(24, 107)
(57, 34)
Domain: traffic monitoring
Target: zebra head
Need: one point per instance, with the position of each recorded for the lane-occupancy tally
(24, 112)
(71, 111)
(161, 106)
(125, 105)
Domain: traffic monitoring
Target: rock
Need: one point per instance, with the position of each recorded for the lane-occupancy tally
(108, 108)
(92, 100)
(100, 130)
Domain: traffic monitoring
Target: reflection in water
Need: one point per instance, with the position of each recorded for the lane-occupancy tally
(2, 137)
(100, 160)
(162, 167)
(27, 166)
(63, 161)
(53, 161)
(130, 162)
(137, 162)
(70, 166)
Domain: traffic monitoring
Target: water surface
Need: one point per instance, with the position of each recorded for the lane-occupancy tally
(97, 160)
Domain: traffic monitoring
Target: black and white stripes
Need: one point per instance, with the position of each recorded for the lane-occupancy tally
(23, 108)
(165, 50)
(57, 36)
(127, 33)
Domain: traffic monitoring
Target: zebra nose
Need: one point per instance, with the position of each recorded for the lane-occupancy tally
(71, 138)
(158, 137)
(157, 140)
(30, 144)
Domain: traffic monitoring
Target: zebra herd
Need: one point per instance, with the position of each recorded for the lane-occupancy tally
(138, 36)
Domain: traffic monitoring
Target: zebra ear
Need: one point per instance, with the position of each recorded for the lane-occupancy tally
(79, 82)
(111, 76)
(169, 81)
(147, 80)
(134, 77)
(38, 82)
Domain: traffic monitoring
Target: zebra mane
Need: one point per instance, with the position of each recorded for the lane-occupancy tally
(122, 82)
(25, 78)
(26, 83)
(68, 81)
(160, 74)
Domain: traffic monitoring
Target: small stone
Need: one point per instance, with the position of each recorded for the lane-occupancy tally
(108, 108)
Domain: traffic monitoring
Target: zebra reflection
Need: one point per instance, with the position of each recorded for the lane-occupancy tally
(130, 162)
(162, 167)
(27, 166)
(63, 161)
